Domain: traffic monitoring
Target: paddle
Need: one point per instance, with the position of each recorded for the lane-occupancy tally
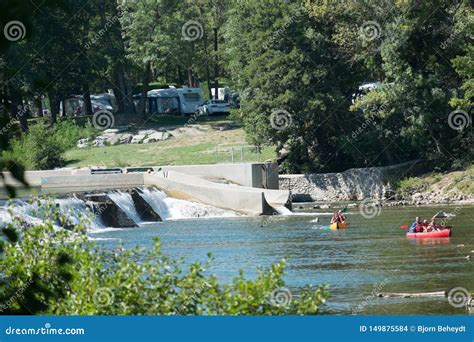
(404, 227)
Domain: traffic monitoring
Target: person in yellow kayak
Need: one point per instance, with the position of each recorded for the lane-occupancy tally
(338, 217)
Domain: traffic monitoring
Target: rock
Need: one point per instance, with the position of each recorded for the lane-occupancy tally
(83, 143)
(99, 141)
(316, 206)
(146, 131)
(125, 138)
(113, 139)
(149, 140)
(116, 130)
(352, 205)
(159, 136)
(325, 206)
(138, 139)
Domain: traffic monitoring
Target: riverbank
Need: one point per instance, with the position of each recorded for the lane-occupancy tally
(402, 184)
(206, 141)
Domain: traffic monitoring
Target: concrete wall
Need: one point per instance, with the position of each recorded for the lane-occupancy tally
(71, 183)
(258, 175)
(245, 174)
(34, 177)
(178, 185)
(353, 184)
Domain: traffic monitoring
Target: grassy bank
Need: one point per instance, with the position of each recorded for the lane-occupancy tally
(450, 184)
(182, 150)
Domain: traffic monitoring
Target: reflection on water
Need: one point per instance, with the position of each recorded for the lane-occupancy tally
(372, 256)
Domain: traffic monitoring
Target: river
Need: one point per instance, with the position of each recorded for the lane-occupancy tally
(372, 256)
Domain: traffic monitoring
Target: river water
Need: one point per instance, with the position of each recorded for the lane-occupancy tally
(372, 256)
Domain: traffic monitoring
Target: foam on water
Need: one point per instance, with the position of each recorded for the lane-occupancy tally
(174, 209)
(125, 202)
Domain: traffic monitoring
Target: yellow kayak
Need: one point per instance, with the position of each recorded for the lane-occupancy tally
(338, 225)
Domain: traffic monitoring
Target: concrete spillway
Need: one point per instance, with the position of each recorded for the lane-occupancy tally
(119, 209)
(249, 200)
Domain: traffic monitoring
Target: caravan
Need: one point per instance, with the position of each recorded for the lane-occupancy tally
(180, 101)
(190, 99)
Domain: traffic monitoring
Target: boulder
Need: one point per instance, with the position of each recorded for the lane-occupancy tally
(138, 139)
(116, 129)
(159, 136)
(83, 143)
(149, 140)
(146, 131)
(113, 139)
(125, 138)
(99, 141)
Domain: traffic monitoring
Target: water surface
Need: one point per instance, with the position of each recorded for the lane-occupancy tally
(373, 255)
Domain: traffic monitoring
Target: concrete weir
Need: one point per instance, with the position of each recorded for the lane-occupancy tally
(256, 199)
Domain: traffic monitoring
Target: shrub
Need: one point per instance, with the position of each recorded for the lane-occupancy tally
(39, 149)
(68, 132)
(412, 184)
(43, 147)
(62, 272)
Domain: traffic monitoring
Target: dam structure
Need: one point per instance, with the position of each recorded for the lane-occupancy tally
(129, 197)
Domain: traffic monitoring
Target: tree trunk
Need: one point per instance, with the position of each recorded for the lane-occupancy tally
(54, 103)
(38, 106)
(87, 99)
(23, 114)
(216, 66)
(145, 84)
(62, 101)
(190, 78)
(207, 68)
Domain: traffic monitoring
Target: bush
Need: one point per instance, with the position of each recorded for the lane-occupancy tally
(68, 132)
(42, 148)
(61, 272)
(39, 149)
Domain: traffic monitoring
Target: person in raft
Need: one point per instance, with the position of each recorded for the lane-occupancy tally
(338, 217)
(415, 225)
(432, 225)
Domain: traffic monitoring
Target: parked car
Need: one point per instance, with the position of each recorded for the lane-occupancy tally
(214, 107)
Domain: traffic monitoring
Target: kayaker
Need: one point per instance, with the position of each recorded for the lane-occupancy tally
(432, 224)
(341, 216)
(338, 217)
(415, 225)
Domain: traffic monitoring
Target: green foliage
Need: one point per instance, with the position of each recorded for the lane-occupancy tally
(43, 147)
(413, 184)
(309, 57)
(56, 271)
(67, 133)
(39, 149)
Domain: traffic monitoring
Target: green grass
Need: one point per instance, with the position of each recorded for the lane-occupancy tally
(183, 150)
(462, 181)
